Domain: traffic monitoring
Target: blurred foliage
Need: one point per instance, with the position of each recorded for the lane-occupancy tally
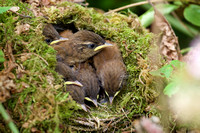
(169, 73)
(192, 14)
(185, 35)
(4, 9)
(1, 56)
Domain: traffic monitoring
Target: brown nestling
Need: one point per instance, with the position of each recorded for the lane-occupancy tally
(110, 70)
(68, 73)
(50, 32)
(77, 93)
(74, 87)
(77, 47)
(52, 35)
(80, 47)
(88, 78)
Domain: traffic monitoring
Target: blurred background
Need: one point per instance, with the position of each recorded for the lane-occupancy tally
(185, 35)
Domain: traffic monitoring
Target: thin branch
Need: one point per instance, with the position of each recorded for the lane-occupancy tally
(41, 58)
(102, 120)
(126, 115)
(21, 15)
(84, 129)
(134, 4)
(120, 119)
(89, 123)
(35, 55)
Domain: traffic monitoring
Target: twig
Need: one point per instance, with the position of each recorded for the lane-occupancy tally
(102, 120)
(35, 55)
(126, 115)
(7, 118)
(106, 127)
(41, 58)
(128, 128)
(90, 123)
(132, 5)
(118, 120)
(21, 15)
(85, 129)
(140, 78)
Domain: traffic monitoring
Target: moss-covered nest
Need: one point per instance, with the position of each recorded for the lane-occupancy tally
(36, 101)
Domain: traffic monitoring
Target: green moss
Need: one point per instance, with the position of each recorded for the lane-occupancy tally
(42, 104)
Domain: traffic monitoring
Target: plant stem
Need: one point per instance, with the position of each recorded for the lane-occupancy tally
(134, 4)
(7, 118)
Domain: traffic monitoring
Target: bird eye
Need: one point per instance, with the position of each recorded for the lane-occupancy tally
(91, 46)
(48, 40)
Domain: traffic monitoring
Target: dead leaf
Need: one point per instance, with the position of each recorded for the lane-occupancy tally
(25, 125)
(26, 56)
(57, 86)
(7, 84)
(46, 2)
(34, 129)
(168, 42)
(22, 28)
(34, 2)
(14, 8)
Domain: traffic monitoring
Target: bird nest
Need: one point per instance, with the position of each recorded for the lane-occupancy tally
(37, 102)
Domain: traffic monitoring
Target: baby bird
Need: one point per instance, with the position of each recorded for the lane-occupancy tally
(87, 76)
(110, 70)
(74, 87)
(68, 73)
(77, 47)
(51, 34)
(80, 47)
(78, 94)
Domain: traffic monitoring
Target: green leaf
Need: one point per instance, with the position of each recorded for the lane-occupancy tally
(147, 18)
(165, 71)
(4, 9)
(179, 27)
(192, 14)
(168, 69)
(1, 56)
(171, 89)
(176, 63)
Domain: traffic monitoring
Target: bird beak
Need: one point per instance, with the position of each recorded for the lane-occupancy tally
(84, 107)
(106, 93)
(73, 83)
(111, 99)
(116, 93)
(59, 40)
(103, 46)
(94, 101)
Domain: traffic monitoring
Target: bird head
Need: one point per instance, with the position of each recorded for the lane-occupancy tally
(89, 43)
(92, 93)
(112, 76)
(85, 42)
